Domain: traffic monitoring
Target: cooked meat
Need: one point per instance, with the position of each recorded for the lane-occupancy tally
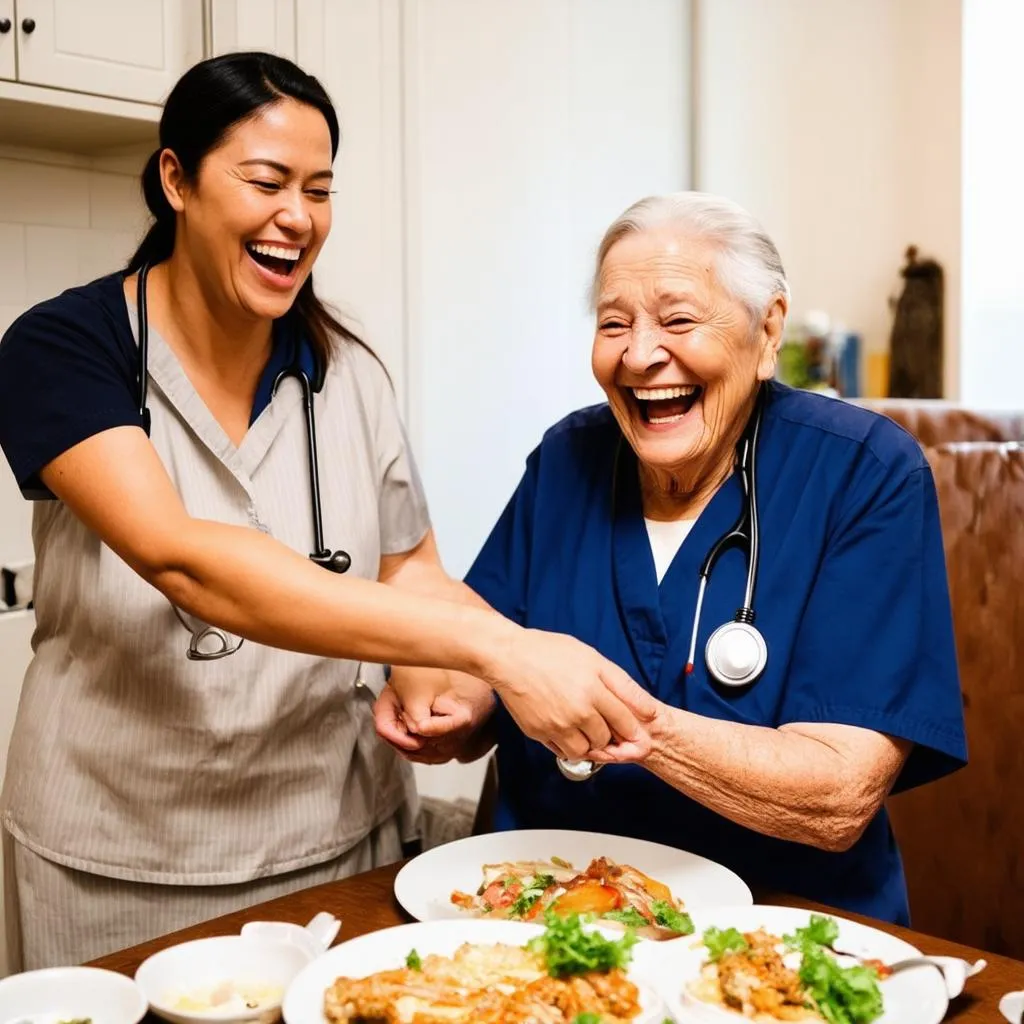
(484, 985)
(757, 981)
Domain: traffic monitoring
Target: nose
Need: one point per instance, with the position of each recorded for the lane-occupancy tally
(644, 350)
(294, 215)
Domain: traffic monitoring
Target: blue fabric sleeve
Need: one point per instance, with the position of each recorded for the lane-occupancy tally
(67, 371)
(501, 572)
(875, 647)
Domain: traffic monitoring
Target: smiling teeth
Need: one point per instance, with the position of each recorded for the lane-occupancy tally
(277, 251)
(660, 394)
(667, 419)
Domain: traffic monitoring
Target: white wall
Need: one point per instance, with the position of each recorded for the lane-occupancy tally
(837, 124)
(530, 127)
(992, 359)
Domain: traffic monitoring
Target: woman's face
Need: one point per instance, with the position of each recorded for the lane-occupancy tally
(259, 211)
(676, 354)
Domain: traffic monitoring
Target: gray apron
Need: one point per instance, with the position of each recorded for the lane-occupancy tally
(130, 761)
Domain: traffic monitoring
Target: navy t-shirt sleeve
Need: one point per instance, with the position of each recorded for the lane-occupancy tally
(875, 647)
(500, 574)
(67, 371)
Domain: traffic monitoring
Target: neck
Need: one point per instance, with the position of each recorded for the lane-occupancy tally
(206, 333)
(683, 492)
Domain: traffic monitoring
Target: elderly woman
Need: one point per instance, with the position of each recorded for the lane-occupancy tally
(777, 738)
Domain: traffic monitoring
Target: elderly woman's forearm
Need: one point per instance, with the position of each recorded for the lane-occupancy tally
(777, 782)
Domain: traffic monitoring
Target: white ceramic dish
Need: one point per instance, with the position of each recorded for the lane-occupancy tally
(69, 993)
(261, 962)
(914, 996)
(1011, 1006)
(388, 948)
(424, 886)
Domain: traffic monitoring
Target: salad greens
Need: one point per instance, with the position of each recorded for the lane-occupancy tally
(668, 917)
(719, 942)
(568, 949)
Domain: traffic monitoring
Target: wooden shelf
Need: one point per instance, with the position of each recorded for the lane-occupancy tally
(73, 122)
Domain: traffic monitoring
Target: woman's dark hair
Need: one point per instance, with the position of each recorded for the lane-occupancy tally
(210, 99)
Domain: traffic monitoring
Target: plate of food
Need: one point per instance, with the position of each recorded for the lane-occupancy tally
(771, 964)
(565, 971)
(520, 876)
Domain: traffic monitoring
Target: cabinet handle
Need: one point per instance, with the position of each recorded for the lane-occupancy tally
(5, 26)
(28, 26)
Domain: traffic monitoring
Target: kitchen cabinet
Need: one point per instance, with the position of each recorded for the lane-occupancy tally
(125, 49)
(268, 25)
(7, 38)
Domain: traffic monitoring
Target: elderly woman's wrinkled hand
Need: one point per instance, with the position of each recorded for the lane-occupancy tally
(565, 695)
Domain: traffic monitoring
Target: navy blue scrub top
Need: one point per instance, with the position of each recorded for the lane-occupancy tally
(851, 597)
(68, 369)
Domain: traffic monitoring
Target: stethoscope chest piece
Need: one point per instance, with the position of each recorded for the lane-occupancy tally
(577, 771)
(736, 654)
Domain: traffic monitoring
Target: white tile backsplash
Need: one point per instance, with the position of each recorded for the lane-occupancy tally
(37, 193)
(59, 226)
(115, 203)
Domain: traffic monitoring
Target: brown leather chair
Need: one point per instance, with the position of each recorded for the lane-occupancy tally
(962, 838)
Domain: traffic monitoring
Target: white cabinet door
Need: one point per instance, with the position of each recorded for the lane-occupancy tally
(254, 25)
(7, 37)
(129, 49)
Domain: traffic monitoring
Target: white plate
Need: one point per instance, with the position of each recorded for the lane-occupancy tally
(62, 993)
(387, 949)
(425, 885)
(913, 996)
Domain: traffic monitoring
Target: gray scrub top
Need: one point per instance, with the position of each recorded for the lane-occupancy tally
(131, 761)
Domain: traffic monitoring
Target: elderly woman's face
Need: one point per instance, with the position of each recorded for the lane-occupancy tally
(677, 355)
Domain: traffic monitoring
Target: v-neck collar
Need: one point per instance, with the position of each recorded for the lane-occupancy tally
(242, 461)
(657, 618)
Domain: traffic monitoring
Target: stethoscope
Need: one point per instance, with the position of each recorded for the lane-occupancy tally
(736, 653)
(336, 561)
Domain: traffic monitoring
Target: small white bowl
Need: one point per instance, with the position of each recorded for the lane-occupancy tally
(263, 959)
(70, 993)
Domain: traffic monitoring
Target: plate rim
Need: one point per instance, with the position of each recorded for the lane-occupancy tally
(406, 870)
(677, 1006)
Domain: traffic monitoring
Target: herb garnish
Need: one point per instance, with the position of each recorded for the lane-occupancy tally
(669, 917)
(413, 961)
(719, 942)
(526, 899)
(568, 949)
(842, 995)
(630, 916)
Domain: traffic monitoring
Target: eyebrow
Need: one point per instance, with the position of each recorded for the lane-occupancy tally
(284, 169)
(671, 297)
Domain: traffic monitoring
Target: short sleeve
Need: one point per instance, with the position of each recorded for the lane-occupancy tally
(67, 372)
(500, 572)
(875, 647)
(402, 503)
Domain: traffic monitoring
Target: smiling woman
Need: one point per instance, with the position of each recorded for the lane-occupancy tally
(772, 753)
(167, 417)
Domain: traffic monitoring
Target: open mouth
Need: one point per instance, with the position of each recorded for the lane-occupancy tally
(666, 405)
(280, 260)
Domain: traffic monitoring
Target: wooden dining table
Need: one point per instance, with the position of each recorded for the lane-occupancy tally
(366, 903)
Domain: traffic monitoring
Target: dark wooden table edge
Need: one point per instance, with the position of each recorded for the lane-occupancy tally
(384, 911)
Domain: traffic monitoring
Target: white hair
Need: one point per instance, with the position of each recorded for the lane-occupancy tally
(749, 266)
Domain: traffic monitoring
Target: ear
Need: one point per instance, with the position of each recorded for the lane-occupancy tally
(770, 337)
(172, 177)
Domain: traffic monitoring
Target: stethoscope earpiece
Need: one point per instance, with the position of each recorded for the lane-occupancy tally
(736, 654)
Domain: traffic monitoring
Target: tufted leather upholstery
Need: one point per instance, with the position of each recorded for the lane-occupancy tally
(963, 837)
